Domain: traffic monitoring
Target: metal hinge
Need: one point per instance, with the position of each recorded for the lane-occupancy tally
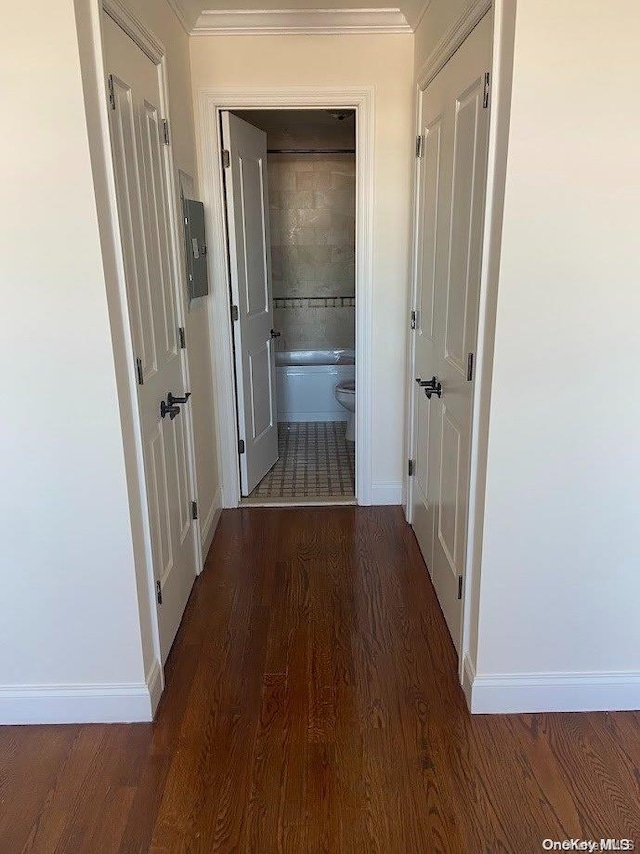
(226, 158)
(234, 312)
(112, 94)
(139, 371)
(165, 131)
(419, 146)
(241, 446)
(194, 509)
(181, 337)
(159, 592)
(411, 468)
(413, 319)
(459, 587)
(487, 89)
(469, 367)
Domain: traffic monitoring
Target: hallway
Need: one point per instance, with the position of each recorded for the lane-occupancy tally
(312, 704)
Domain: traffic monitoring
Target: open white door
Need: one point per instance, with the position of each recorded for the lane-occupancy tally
(141, 172)
(245, 177)
(453, 186)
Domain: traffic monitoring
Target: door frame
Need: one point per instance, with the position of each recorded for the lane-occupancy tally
(90, 37)
(211, 101)
(501, 72)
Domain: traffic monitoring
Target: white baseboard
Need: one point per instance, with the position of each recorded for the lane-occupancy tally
(515, 693)
(80, 704)
(386, 493)
(155, 685)
(211, 522)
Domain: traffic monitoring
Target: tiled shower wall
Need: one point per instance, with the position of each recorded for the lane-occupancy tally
(312, 211)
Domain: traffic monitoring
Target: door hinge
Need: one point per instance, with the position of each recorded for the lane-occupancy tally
(194, 509)
(487, 89)
(241, 446)
(139, 372)
(235, 314)
(411, 468)
(112, 94)
(181, 337)
(419, 146)
(469, 367)
(413, 319)
(165, 132)
(226, 158)
(159, 592)
(459, 587)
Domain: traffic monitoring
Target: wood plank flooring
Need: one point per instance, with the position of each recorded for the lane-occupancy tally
(312, 705)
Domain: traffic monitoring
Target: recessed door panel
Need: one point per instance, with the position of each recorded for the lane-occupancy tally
(262, 414)
(448, 509)
(255, 249)
(429, 229)
(461, 244)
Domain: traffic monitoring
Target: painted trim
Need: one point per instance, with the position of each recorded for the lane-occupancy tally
(240, 22)
(516, 693)
(155, 685)
(211, 523)
(451, 41)
(135, 29)
(80, 704)
(386, 493)
(186, 20)
(210, 103)
(422, 12)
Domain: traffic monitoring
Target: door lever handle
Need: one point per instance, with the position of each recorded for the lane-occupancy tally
(422, 383)
(172, 399)
(168, 409)
(275, 334)
(432, 386)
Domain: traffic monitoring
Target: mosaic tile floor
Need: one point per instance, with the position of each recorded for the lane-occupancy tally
(315, 461)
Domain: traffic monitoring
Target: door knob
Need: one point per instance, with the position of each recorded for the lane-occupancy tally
(169, 409)
(432, 386)
(275, 334)
(172, 399)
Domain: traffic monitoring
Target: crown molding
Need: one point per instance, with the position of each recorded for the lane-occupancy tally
(186, 19)
(240, 22)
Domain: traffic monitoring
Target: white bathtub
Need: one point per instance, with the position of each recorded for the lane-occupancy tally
(305, 381)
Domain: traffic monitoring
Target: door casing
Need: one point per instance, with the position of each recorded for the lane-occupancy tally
(501, 72)
(211, 103)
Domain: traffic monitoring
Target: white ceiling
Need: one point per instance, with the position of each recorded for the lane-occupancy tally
(192, 9)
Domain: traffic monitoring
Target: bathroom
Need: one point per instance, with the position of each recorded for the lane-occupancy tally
(311, 175)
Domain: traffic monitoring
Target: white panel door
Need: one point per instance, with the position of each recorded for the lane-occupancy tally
(250, 263)
(141, 171)
(453, 186)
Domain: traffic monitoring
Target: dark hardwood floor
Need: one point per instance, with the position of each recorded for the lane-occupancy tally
(312, 705)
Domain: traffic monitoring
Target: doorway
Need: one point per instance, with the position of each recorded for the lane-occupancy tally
(290, 212)
(312, 460)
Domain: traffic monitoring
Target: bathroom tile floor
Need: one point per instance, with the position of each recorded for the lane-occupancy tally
(316, 462)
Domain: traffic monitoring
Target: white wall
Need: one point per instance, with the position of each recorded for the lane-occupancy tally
(560, 578)
(385, 62)
(68, 610)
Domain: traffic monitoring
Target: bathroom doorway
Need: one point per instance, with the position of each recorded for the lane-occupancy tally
(290, 200)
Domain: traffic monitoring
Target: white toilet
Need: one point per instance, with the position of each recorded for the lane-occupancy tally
(345, 393)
